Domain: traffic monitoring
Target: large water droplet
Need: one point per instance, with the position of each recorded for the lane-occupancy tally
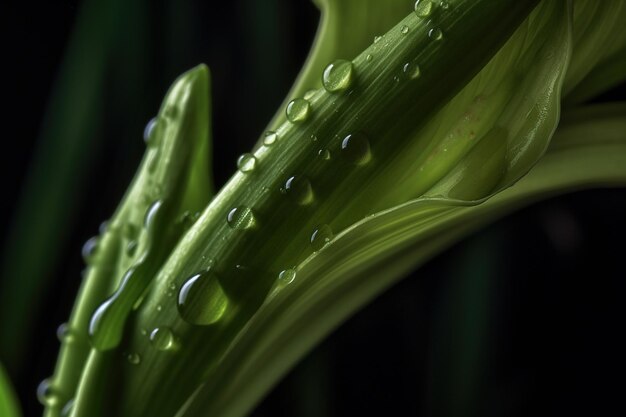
(435, 34)
(404, 29)
(338, 76)
(269, 138)
(241, 217)
(89, 250)
(149, 132)
(411, 70)
(46, 393)
(299, 189)
(356, 148)
(321, 236)
(201, 299)
(298, 110)
(246, 163)
(163, 339)
(133, 358)
(423, 8)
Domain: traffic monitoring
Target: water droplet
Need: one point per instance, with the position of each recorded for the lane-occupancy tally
(321, 236)
(131, 248)
(369, 57)
(396, 79)
(149, 132)
(313, 138)
(201, 299)
(423, 8)
(133, 358)
(64, 333)
(298, 110)
(338, 76)
(46, 393)
(377, 39)
(104, 226)
(435, 34)
(404, 29)
(299, 190)
(241, 217)
(324, 154)
(411, 70)
(356, 148)
(67, 408)
(163, 339)
(286, 277)
(269, 138)
(444, 5)
(89, 250)
(246, 163)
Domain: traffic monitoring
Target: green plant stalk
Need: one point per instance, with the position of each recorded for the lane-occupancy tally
(377, 105)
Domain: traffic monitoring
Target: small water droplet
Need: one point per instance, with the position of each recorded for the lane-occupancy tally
(321, 236)
(241, 218)
(369, 57)
(423, 8)
(201, 299)
(396, 79)
(355, 147)
(67, 408)
(149, 132)
(246, 163)
(377, 39)
(162, 339)
(444, 5)
(269, 138)
(313, 138)
(133, 358)
(324, 154)
(411, 70)
(64, 333)
(404, 29)
(131, 248)
(89, 250)
(104, 226)
(338, 76)
(298, 110)
(435, 34)
(286, 277)
(299, 189)
(46, 393)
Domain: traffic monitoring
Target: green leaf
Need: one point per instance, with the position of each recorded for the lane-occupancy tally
(373, 254)
(171, 183)
(9, 406)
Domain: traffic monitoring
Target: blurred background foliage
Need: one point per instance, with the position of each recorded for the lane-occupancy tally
(523, 318)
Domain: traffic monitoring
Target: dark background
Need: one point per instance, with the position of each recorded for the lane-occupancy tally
(523, 318)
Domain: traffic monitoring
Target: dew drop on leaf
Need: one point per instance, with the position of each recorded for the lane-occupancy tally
(89, 250)
(241, 218)
(338, 76)
(404, 29)
(411, 70)
(46, 393)
(321, 236)
(133, 358)
(269, 138)
(298, 110)
(149, 132)
(246, 163)
(286, 277)
(162, 339)
(355, 147)
(423, 8)
(435, 34)
(201, 299)
(299, 189)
